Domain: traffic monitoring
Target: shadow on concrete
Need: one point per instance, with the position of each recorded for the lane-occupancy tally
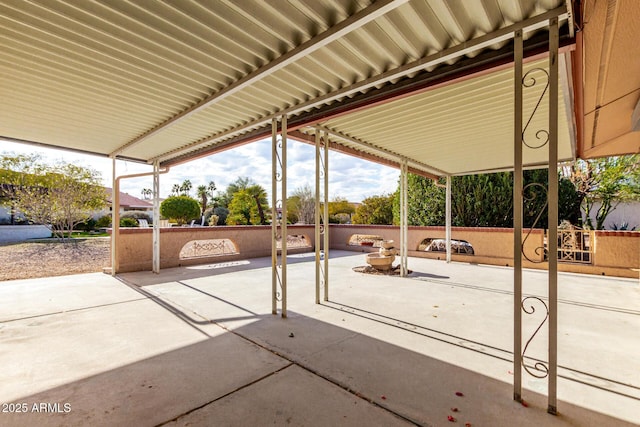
(298, 371)
(418, 274)
(148, 278)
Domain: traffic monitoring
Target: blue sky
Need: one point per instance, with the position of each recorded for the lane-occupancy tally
(349, 177)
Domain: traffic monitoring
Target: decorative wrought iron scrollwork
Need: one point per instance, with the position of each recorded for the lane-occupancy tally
(278, 294)
(322, 164)
(542, 135)
(540, 369)
(277, 175)
(540, 250)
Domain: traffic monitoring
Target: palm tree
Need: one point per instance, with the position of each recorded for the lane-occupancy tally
(203, 194)
(260, 196)
(175, 190)
(211, 188)
(185, 188)
(255, 191)
(146, 193)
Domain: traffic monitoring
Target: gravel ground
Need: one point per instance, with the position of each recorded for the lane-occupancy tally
(31, 260)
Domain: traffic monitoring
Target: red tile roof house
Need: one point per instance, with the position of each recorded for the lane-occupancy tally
(16, 233)
(127, 203)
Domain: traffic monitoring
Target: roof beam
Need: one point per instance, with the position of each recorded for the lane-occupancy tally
(357, 20)
(383, 151)
(309, 139)
(481, 42)
(65, 148)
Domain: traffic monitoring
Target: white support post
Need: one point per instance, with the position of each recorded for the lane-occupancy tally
(403, 218)
(274, 216)
(115, 216)
(553, 215)
(517, 219)
(447, 231)
(283, 134)
(156, 217)
(279, 270)
(325, 247)
(318, 233)
(115, 221)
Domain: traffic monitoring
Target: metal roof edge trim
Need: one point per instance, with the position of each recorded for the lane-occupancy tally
(69, 149)
(509, 169)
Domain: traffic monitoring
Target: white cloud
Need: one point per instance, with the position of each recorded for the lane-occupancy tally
(349, 177)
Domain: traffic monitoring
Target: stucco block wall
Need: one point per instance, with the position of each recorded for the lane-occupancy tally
(19, 233)
(616, 253)
(617, 249)
(491, 245)
(135, 250)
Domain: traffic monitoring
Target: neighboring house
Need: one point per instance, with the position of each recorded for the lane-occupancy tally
(625, 213)
(128, 203)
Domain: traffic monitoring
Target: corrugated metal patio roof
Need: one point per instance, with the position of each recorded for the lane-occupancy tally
(178, 79)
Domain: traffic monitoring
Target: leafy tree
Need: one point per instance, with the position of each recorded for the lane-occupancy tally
(301, 206)
(182, 209)
(16, 171)
(609, 181)
(58, 196)
(242, 209)
(240, 183)
(484, 200)
(375, 210)
(255, 191)
(340, 210)
(292, 210)
(425, 202)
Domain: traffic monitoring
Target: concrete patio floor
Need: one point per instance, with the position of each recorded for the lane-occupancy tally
(199, 346)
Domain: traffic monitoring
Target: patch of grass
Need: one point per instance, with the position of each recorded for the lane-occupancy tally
(84, 234)
(89, 234)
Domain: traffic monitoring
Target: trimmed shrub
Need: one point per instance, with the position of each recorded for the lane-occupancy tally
(128, 222)
(87, 225)
(182, 209)
(137, 215)
(104, 222)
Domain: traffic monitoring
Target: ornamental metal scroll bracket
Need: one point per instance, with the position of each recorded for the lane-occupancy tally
(529, 81)
(278, 291)
(278, 174)
(540, 251)
(322, 160)
(539, 369)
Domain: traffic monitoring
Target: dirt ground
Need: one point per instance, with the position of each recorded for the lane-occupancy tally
(31, 260)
